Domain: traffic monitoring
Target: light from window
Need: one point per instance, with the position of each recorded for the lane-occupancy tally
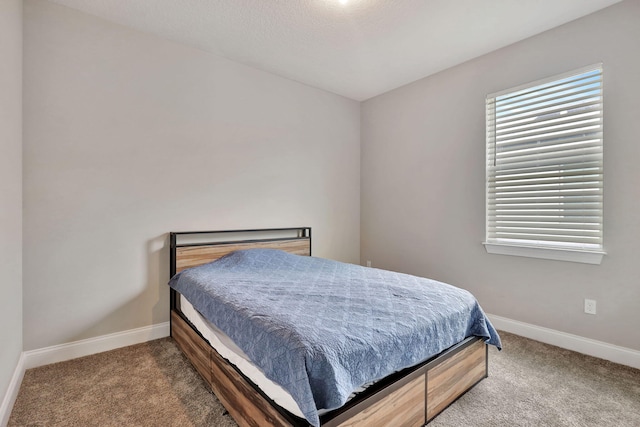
(545, 166)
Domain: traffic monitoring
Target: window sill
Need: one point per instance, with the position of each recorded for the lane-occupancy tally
(572, 255)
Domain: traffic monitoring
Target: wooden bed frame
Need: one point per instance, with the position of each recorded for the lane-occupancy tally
(411, 397)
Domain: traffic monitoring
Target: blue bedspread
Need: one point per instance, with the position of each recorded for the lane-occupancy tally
(322, 328)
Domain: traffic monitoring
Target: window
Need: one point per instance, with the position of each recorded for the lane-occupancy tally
(545, 169)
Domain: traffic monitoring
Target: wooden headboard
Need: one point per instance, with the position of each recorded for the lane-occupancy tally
(193, 248)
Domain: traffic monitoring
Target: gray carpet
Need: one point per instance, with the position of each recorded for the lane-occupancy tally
(152, 384)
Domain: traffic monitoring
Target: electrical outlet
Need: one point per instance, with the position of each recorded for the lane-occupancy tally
(590, 306)
(368, 263)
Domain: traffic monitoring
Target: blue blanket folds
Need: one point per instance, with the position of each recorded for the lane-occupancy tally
(322, 328)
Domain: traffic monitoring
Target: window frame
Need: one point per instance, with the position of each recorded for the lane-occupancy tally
(539, 249)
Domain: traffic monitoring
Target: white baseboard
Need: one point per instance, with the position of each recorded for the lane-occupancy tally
(72, 350)
(603, 350)
(12, 392)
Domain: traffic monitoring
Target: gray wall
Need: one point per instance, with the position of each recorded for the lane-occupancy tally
(422, 182)
(128, 137)
(10, 188)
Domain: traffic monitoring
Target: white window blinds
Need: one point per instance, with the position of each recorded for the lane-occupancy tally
(545, 163)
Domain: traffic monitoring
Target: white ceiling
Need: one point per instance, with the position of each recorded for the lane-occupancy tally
(359, 49)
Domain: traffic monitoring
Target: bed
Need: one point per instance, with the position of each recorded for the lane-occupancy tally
(411, 396)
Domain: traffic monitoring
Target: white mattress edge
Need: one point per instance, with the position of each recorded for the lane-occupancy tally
(234, 354)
